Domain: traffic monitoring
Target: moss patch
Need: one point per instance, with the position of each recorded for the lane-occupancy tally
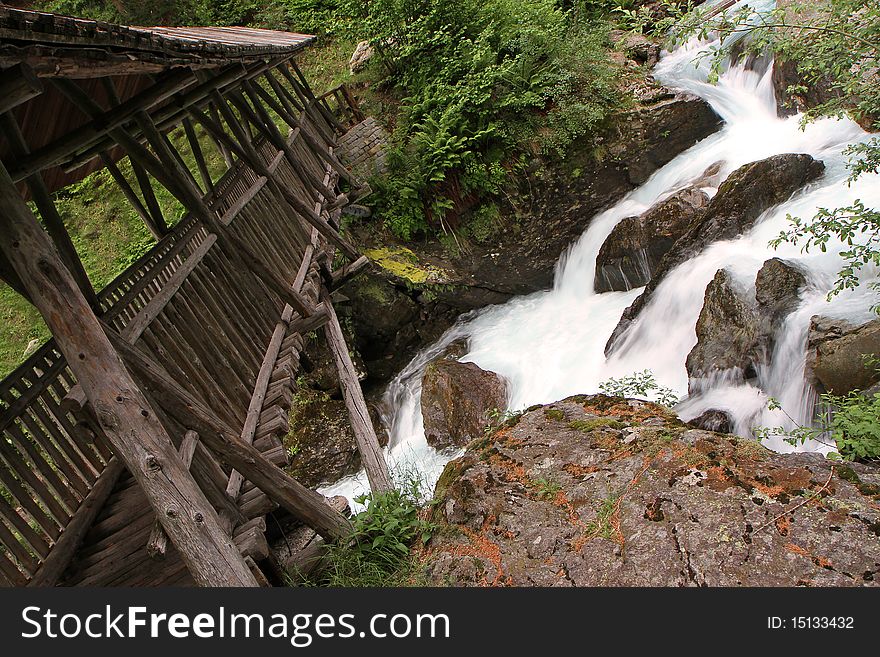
(598, 423)
(404, 264)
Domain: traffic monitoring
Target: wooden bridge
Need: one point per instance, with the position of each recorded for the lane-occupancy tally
(141, 445)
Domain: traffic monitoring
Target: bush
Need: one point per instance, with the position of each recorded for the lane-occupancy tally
(379, 550)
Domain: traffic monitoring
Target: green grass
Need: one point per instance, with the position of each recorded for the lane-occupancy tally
(108, 236)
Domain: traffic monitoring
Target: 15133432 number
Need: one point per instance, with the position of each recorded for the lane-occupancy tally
(810, 623)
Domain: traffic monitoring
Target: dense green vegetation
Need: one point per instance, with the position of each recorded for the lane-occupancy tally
(482, 85)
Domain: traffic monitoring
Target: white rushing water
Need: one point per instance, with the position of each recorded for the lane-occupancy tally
(550, 345)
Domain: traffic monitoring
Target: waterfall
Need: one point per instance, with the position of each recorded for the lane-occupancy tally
(550, 344)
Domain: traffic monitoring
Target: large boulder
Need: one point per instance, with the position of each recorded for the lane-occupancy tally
(841, 356)
(777, 289)
(740, 201)
(632, 251)
(458, 400)
(728, 335)
(597, 491)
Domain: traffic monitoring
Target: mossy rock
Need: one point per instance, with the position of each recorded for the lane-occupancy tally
(406, 265)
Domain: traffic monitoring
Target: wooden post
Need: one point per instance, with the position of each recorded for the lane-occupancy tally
(224, 150)
(158, 231)
(123, 412)
(63, 551)
(364, 433)
(196, 148)
(46, 206)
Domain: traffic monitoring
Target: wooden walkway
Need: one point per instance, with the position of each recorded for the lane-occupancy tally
(209, 323)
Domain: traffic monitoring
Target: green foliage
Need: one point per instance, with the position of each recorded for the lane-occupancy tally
(379, 550)
(499, 419)
(546, 489)
(850, 423)
(642, 385)
(603, 524)
(481, 81)
(857, 226)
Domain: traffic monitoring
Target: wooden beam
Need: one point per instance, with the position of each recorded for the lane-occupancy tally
(18, 85)
(364, 433)
(256, 163)
(65, 547)
(325, 154)
(199, 156)
(348, 271)
(242, 252)
(123, 413)
(157, 544)
(100, 125)
(149, 194)
(165, 170)
(307, 505)
(156, 230)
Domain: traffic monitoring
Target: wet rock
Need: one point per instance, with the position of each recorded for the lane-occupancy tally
(840, 354)
(740, 201)
(321, 442)
(637, 47)
(713, 420)
(778, 286)
(361, 56)
(593, 491)
(555, 201)
(632, 251)
(728, 334)
(457, 401)
(777, 290)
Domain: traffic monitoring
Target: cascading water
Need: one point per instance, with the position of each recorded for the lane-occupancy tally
(550, 345)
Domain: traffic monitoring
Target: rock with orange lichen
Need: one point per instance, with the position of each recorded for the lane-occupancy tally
(600, 491)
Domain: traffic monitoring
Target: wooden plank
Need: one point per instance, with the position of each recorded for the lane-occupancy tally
(36, 540)
(64, 549)
(348, 271)
(100, 125)
(305, 504)
(18, 84)
(76, 398)
(361, 424)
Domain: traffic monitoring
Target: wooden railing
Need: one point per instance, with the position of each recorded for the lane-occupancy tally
(202, 319)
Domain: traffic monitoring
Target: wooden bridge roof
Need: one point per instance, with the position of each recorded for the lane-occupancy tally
(134, 58)
(56, 45)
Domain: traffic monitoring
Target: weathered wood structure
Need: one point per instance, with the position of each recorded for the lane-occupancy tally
(141, 445)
